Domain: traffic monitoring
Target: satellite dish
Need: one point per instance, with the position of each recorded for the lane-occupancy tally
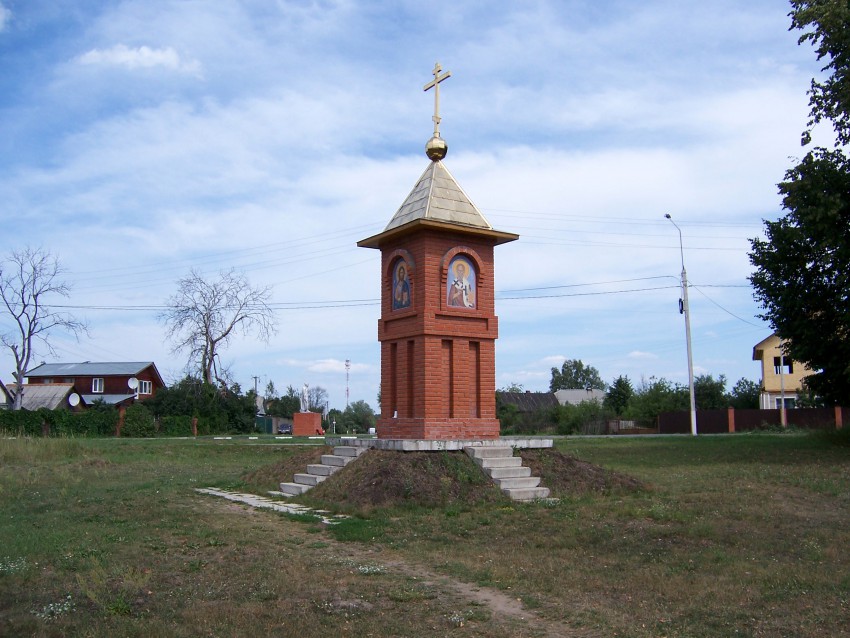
(74, 399)
(133, 383)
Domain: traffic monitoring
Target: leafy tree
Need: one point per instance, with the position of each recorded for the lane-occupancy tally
(204, 315)
(588, 417)
(220, 409)
(803, 276)
(655, 396)
(358, 417)
(801, 279)
(745, 395)
(513, 387)
(619, 394)
(710, 393)
(286, 405)
(29, 283)
(825, 25)
(574, 375)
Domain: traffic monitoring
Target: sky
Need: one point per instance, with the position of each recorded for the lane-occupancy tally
(140, 139)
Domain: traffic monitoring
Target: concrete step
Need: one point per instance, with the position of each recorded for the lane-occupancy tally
(527, 493)
(515, 483)
(338, 461)
(293, 489)
(322, 469)
(348, 450)
(488, 452)
(509, 472)
(308, 479)
(499, 461)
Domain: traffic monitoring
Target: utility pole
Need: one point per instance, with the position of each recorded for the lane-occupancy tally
(347, 370)
(685, 310)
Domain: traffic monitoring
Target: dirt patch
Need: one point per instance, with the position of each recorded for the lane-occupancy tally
(566, 475)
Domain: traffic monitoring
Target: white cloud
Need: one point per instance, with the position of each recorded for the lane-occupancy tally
(5, 17)
(637, 354)
(142, 57)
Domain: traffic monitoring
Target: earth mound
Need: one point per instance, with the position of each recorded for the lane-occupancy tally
(382, 478)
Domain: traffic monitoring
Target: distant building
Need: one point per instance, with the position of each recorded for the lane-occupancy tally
(574, 397)
(114, 383)
(527, 402)
(779, 374)
(53, 396)
(5, 397)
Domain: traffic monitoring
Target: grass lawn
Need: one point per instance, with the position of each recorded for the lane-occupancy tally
(742, 535)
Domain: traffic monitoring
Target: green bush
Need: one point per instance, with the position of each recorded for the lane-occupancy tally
(96, 421)
(138, 422)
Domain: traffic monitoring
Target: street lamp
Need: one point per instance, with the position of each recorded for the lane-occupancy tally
(683, 309)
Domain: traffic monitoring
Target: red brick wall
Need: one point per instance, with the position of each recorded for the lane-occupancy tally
(437, 361)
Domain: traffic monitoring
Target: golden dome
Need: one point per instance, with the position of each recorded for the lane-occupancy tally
(436, 149)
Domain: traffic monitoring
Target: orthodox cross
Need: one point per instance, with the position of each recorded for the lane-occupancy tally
(436, 84)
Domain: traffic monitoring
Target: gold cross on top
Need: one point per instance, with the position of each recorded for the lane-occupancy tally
(435, 83)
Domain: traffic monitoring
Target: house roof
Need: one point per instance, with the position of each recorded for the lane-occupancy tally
(528, 401)
(759, 348)
(94, 369)
(46, 395)
(109, 399)
(574, 397)
(437, 201)
(5, 395)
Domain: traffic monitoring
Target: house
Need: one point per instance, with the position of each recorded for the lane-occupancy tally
(780, 376)
(527, 401)
(5, 397)
(574, 397)
(115, 383)
(52, 396)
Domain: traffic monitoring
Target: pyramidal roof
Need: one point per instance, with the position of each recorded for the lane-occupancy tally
(438, 200)
(438, 197)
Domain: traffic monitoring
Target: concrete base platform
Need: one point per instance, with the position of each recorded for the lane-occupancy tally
(439, 445)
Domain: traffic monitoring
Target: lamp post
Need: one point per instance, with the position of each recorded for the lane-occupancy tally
(686, 311)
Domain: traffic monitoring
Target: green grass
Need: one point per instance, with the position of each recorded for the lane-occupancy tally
(742, 535)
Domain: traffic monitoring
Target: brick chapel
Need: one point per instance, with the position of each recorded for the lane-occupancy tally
(438, 325)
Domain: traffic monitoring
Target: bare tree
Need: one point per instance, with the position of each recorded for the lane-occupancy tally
(203, 316)
(29, 279)
(317, 398)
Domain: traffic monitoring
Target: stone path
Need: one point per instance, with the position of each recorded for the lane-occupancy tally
(267, 503)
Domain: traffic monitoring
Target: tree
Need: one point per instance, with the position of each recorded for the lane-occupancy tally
(710, 393)
(29, 281)
(512, 387)
(801, 280)
(745, 395)
(824, 25)
(619, 394)
(574, 375)
(358, 417)
(317, 398)
(286, 405)
(656, 396)
(204, 315)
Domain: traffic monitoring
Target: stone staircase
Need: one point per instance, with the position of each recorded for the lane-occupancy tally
(508, 472)
(318, 472)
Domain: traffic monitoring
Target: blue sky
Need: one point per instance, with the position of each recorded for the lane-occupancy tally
(139, 139)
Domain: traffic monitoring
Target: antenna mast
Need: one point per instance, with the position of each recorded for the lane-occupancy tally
(347, 369)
